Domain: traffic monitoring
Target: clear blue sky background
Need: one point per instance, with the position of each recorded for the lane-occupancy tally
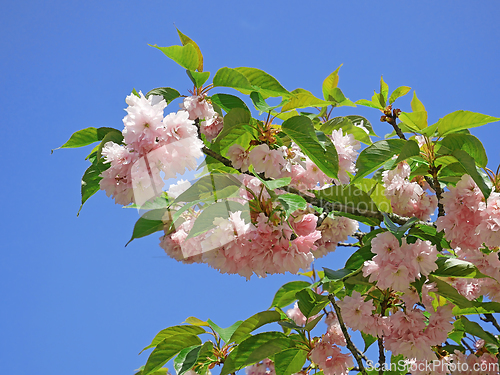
(74, 300)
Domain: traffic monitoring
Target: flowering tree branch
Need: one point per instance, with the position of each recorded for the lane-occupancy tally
(350, 345)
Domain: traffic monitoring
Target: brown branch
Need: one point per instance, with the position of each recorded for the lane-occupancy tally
(392, 120)
(491, 319)
(434, 183)
(344, 244)
(326, 205)
(350, 345)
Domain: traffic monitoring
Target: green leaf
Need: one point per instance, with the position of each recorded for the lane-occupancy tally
(289, 361)
(286, 294)
(187, 40)
(330, 83)
(301, 130)
(311, 303)
(339, 274)
(414, 121)
(186, 56)
(478, 331)
(198, 78)
(384, 92)
(266, 84)
(227, 77)
(205, 221)
(349, 199)
(460, 120)
(86, 137)
(428, 233)
(149, 223)
(469, 164)
(251, 324)
(196, 322)
(376, 155)
(466, 142)
(234, 128)
(255, 349)
(228, 102)
(225, 333)
(292, 203)
(416, 104)
(376, 191)
(409, 150)
(213, 186)
(358, 258)
(312, 323)
(447, 291)
(186, 359)
(168, 93)
(302, 99)
(260, 103)
(360, 133)
(398, 93)
(174, 331)
(362, 122)
(368, 339)
(452, 267)
(398, 232)
(90, 180)
(368, 103)
(275, 184)
(167, 349)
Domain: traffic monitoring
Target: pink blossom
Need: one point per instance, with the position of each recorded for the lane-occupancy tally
(197, 107)
(239, 157)
(346, 146)
(330, 359)
(356, 311)
(264, 160)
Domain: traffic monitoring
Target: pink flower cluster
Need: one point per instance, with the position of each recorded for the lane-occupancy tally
(263, 246)
(407, 198)
(472, 364)
(330, 359)
(334, 230)
(211, 123)
(266, 367)
(470, 223)
(396, 266)
(154, 145)
(305, 175)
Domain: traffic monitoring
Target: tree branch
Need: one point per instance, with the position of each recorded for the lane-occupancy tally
(350, 345)
(491, 319)
(326, 205)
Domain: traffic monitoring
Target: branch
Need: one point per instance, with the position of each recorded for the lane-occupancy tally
(491, 319)
(344, 244)
(350, 345)
(381, 355)
(434, 183)
(327, 206)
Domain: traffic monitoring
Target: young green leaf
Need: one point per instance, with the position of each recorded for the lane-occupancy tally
(368, 103)
(460, 120)
(292, 203)
(475, 329)
(311, 303)
(266, 84)
(330, 83)
(186, 56)
(410, 149)
(174, 331)
(86, 137)
(414, 121)
(398, 93)
(225, 333)
(213, 186)
(234, 128)
(148, 223)
(198, 78)
(384, 92)
(416, 104)
(187, 40)
(452, 267)
(228, 77)
(302, 99)
(90, 180)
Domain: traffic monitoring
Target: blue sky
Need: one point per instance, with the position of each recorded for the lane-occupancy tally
(75, 300)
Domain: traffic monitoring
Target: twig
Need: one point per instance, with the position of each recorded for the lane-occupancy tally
(358, 355)
(344, 244)
(326, 205)
(381, 355)
(491, 319)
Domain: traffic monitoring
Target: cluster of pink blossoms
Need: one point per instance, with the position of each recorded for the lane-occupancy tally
(404, 331)
(211, 123)
(396, 266)
(266, 367)
(154, 145)
(407, 198)
(305, 175)
(473, 228)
